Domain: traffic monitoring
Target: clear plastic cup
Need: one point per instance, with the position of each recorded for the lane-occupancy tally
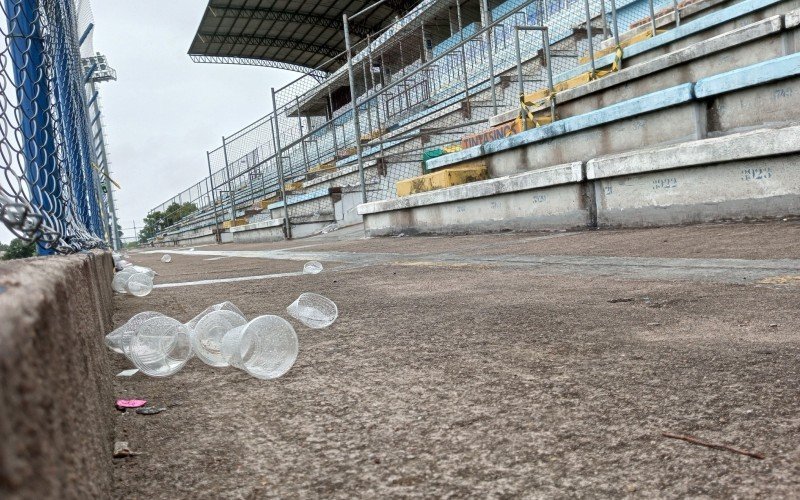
(139, 284)
(208, 334)
(120, 280)
(160, 346)
(266, 347)
(120, 339)
(313, 310)
(166, 258)
(222, 306)
(142, 269)
(312, 267)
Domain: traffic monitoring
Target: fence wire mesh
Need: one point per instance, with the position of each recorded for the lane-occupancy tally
(448, 76)
(49, 189)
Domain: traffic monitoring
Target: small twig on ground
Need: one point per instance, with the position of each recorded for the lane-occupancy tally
(694, 440)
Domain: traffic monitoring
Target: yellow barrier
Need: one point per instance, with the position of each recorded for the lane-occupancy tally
(442, 179)
(324, 167)
(241, 221)
(293, 186)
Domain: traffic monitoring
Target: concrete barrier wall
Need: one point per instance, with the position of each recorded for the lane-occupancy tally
(56, 401)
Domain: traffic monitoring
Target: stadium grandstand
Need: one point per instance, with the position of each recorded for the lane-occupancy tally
(447, 116)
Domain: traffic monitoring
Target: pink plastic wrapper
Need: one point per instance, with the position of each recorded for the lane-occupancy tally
(130, 403)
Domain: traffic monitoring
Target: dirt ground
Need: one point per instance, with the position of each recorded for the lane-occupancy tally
(464, 367)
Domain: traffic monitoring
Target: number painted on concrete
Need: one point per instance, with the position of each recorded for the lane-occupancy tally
(496, 205)
(460, 209)
(756, 174)
(668, 183)
(609, 190)
(539, 198)
(781, 94)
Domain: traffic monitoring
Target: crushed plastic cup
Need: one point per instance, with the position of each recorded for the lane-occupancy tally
(208, 334)
(119, 340)
(222, 306)
(166, 258)
(160, 346)
(265, 348)
(120, 280)
(139, 284)
(314, 310)
(312, 267)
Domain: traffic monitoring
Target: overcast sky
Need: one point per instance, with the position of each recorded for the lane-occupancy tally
(165, 111)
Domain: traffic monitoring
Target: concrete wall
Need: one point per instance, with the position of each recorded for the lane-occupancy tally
(734, 177)
(56, 401)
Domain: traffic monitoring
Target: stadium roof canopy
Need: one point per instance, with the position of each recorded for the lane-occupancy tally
(294, 35)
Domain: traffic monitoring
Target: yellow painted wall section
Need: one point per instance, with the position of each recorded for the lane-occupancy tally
(442, 179)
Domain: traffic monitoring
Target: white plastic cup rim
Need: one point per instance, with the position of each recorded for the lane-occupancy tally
(312, 267)
(314, 310)
(259, 332)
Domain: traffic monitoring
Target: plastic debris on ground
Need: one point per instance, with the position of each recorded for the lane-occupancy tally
(265, 347)
(313, 310)
(166, 258)
(150, 410)
(313, 267)
(124, 404)
(128, 373)
(135, 280)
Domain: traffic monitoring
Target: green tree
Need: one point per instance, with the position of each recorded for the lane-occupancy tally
(158, 221)
(19, 249)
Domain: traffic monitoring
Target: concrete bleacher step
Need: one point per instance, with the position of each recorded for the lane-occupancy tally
(675, 55)
(738, 176)
(665, 116)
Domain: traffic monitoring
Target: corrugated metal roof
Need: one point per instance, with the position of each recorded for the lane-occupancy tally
(289, 35)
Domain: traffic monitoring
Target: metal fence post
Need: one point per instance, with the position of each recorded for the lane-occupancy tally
(486, 16)
(546, 49)
(300, 124)
(218, 236)
(276, 138)
(463, 57)
(377, 96)
(589, 35)
(677, 13)
(354, 102)
(652, 16)
(231, 192)
(333, 127)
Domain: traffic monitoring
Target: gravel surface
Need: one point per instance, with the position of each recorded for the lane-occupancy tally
(482, 380)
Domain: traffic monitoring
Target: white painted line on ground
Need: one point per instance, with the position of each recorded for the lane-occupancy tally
(229, 280)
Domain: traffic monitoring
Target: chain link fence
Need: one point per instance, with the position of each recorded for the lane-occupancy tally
(448, 76)
(50, 189)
